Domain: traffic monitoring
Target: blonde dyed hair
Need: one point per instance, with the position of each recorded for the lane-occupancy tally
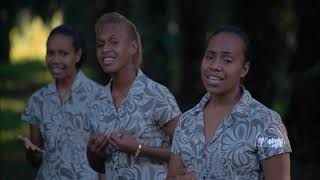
(117, 18)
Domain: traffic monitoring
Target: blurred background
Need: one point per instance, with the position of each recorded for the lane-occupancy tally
(284, 74)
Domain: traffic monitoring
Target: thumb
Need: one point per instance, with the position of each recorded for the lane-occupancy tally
(20, 138)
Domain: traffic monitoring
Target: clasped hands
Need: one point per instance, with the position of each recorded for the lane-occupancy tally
(121, 140)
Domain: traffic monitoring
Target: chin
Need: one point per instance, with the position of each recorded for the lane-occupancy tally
(109, 70)
(215, 91)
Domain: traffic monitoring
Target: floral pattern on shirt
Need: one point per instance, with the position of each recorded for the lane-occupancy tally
(249, 134)
(64, 128)
(147, 107)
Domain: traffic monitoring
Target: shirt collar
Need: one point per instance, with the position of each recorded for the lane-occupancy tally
(136, 88)
(52, 88)
(242, 108)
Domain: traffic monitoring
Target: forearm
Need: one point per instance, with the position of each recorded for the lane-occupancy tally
(35, 158)
(162, 153)
(96, 162)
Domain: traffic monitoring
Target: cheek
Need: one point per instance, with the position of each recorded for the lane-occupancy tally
(203, 66)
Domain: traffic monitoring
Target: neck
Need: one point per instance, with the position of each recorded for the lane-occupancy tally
(122, 80)
(66, 83)
(228, 99)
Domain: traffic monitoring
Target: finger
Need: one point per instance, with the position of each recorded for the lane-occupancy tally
(114, 134)
(94, 134)
(102, 146)
(20, 138)
(123, 131)
(182, 171)
(36, 148)
(100, 138)
(93, 146)
(113, 142)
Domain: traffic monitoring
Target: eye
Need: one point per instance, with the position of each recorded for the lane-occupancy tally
(228, 60)
(49, 53)
(209, 57)
(114, 42)
(63, 53)
(99, 44)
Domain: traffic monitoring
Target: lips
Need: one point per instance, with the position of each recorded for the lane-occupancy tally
(56, 69)
(108, 60)
(213, 80)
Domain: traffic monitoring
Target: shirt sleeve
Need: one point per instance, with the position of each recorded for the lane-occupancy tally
(166, 108)
(32, 112)
(273, 140)
(175, 147)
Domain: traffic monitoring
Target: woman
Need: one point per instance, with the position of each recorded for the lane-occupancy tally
(59, 130)
(229, 134)
(137, 116)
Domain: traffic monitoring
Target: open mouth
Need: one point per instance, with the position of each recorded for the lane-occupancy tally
(108, 60)
(56, 69)
(214, 80)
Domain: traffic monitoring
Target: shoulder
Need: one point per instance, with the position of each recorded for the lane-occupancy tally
(93, 88)
(264, 113)
(155, 89)
(188, 118)
(41, 92)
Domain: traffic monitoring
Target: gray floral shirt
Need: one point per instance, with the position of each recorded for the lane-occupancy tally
(249, 134)
(147, 107)
(64, 128)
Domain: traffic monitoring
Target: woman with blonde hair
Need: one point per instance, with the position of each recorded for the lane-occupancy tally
(134, 122)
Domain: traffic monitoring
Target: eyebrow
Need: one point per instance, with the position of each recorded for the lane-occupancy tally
(223, 52)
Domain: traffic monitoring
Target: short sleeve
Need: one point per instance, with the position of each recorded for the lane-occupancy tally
(273, 140)
(175, 147)
(166, 108)
(32, 112)
(92, 115)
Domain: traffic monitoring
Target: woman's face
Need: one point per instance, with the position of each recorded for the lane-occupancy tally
(115, 48)
(62, 57)
(223, 64)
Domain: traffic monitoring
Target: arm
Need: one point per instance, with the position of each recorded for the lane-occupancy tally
(277, 167)
(96, 151)
(35, 157)
(33, 146)
(177, 169)
(127, 143)
(164, 152)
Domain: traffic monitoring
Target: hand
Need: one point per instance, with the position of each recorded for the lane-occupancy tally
(124, 141)
(184, 174)
(98, 143)
(28, 145)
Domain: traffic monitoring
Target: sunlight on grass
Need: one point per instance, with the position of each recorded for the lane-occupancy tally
(9, 135)
(28, 39)
(10, 104)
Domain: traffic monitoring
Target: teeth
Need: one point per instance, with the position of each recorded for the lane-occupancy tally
(57, 70)
(108, 60)
(214, 78)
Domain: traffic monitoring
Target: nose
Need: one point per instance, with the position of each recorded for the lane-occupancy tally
(216, 64)
(106, 48)
(53, 58)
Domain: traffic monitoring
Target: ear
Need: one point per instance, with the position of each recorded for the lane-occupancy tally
(78, 55)
(245, 69)
(133, 47)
